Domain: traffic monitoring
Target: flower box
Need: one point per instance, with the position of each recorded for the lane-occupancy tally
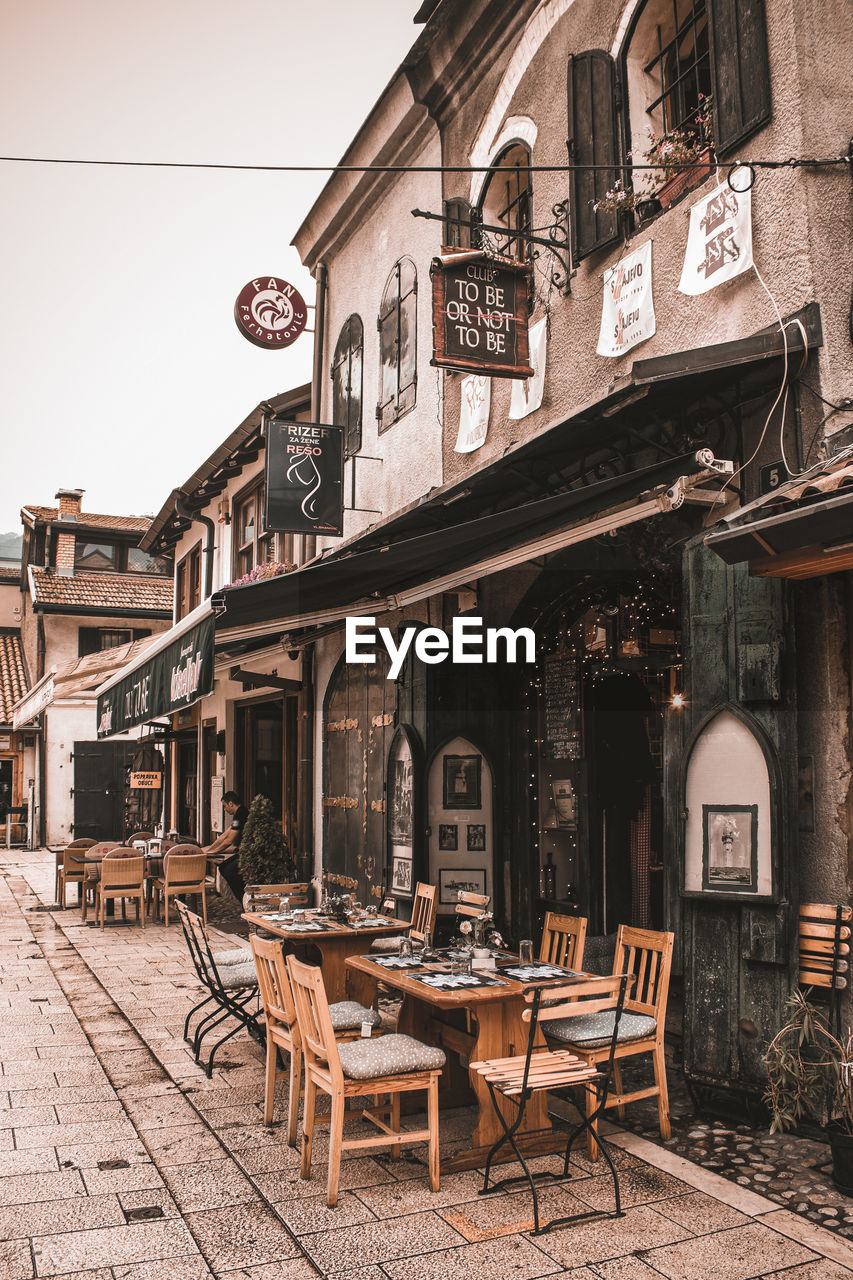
(686, 179)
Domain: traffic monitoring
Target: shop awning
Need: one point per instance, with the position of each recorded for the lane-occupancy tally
(175, 671)
(398, 573)
(801, 530)
(77, 678)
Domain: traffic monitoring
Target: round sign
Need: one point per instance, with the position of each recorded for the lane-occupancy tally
(270, 312)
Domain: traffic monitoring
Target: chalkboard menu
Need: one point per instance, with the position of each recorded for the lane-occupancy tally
(560, 702)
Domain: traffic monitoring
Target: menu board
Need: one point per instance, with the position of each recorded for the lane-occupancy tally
(560, 693)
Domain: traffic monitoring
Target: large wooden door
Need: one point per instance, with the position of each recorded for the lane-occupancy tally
(358, 723)
(738, 950)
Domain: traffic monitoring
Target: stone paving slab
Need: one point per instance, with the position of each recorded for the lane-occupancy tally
(136, 1128)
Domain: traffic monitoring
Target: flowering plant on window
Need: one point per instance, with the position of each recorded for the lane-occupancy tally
(670, 155)
(272, 569)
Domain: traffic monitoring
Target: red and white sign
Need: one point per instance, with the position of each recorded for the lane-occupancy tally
(270, 312)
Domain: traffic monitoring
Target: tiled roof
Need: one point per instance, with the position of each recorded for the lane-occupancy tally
(10, 572)
(131, 593)
(13, 677)
(90, 520)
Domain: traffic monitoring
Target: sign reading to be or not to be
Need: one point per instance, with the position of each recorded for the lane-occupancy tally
(480, 314)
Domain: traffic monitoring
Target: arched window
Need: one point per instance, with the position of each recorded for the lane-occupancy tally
(347, 379)
(398, 339)
(668, 68)
(507, 201)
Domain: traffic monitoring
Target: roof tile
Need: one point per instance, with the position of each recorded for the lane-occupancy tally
(13, 675)
(91, 520)
(132, 593)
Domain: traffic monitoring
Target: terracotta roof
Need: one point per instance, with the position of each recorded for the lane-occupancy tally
(10, 572)
(131, 593)
(90, 520)
(13, 675)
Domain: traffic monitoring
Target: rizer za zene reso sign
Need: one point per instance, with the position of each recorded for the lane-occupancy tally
(304, 478)
(270, 312)
(167, 682)
(480, 314)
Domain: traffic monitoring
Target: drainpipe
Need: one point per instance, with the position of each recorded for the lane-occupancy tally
(196, 518)
(305, 763)
(321, 277)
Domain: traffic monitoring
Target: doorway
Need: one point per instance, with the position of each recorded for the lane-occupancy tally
(266, 748)
(186, 812)
(99, 788)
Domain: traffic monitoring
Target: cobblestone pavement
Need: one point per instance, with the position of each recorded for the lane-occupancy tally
(121, 1160)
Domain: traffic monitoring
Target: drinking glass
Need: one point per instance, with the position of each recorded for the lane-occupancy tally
(525, 951)
(284, 904)
(428, 942)
(404, 948)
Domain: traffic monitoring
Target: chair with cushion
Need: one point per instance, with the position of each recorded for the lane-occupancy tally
(59, 854)
(122, 876)
(424, 908)
(231, 982)
(553, 1069)
(563, 939)
(282, 1029)
(391, 1064)
(184, 872)
(648, 956)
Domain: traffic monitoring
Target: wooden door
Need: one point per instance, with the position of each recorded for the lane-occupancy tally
(738, 951)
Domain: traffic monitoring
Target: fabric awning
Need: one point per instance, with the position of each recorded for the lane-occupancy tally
(174, 673)
(400, 572)
(77, 678)
(797, 531)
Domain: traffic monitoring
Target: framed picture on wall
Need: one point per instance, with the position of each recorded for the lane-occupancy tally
(452, 882)
(476, 840)
(401, 875)
(448, 837)
(730, 848)
(462, 782)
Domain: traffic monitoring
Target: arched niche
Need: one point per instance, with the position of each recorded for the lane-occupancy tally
(729, 804)
(460, 822)
(404, 815)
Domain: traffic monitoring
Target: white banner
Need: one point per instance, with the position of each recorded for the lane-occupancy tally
(719, 242)
(527, 392)
(474, 413)
(628, 308)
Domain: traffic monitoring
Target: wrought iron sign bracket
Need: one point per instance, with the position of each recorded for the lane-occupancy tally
(556, 241)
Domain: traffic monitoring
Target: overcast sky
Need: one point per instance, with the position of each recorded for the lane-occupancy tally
(122, 367)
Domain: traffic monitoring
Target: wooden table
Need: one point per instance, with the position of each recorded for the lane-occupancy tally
(335, 943)
(494, 1030)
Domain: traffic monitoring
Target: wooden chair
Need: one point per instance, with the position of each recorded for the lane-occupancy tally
(648, 956)
(59, 855)
(424, 910)
(517, 1078)
(470, 905)
(259, 897)
(391, 1064)
(282, 1028)
(122, 876)
(184, 872)
(79, 872)
(825, 951)
(563, 939)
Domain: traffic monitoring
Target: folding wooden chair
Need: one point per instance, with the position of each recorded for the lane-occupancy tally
(260, 897)
(122, 876)
(470, 905)
(391, 1064)
(424, 909)
(184, 873)
(283, 1031)
(648, 956)
(518, 1078)
(563, 939)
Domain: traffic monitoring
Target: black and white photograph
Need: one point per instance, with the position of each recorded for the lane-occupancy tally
(462, 782)
(475, 839)
(448, 837)
(452, 882)
(730, 848)
(401, 875)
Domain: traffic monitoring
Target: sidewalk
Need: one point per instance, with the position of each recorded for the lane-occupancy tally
(120, 1160)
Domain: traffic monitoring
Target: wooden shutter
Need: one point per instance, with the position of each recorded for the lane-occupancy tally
(740, 70)
(592, 140)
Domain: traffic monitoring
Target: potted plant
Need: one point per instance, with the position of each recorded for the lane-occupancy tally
(810, 1074)
(684, 155)
(263, 857)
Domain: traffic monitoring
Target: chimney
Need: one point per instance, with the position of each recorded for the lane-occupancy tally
(69, 510)
(69, 503)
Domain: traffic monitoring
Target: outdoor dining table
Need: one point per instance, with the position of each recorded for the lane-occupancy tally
(334, 941)
(494, 1030)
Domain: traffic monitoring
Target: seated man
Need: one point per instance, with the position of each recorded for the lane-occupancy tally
(229, 843)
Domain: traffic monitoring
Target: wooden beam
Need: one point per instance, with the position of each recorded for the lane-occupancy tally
(805, 562)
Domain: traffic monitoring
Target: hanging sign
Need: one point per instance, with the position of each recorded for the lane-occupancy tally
(719, 240)
(474, 409)
(146, 781)
(270, 312)
(627, 309)
(304, 478)
(479, 314)
(170, 681)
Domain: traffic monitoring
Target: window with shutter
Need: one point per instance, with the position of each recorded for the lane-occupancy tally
(740, 70)
(592, 142)
(398, 335)
(347, 381)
